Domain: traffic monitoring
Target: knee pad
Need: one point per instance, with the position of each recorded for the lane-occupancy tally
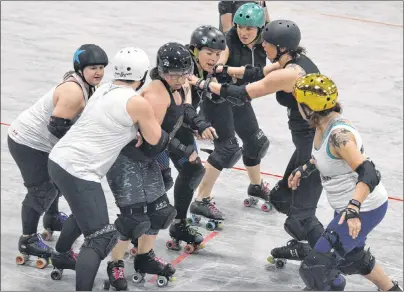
(102, 241)
(318, 271)
(295, 228)
(192, 173)
(226, 154)
(256, 147)
(357, 261)
(167, 179)
(41, 197)
(161, 213)
(279, 197)
(133, 221)
(313, 229)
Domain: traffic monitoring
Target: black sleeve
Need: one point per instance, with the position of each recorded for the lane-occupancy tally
(225, 7)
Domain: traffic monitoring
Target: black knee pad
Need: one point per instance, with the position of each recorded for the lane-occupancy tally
(41, 197)
(313, 229)
(102, 241)
(192, 173)
(167, 179)
(161, 213)
(357, 262)
(133, 221)
(280, 198)
(256, 147)
(226, 154)
(295, 228)
(318, 271)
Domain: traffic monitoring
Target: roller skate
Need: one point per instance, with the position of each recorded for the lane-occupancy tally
(116, 276)
(396, 287)
(183, 232)
(33, 245)
(257, 192)
(63, 261)
(150, 264)
(294, 250)
(52, 222)
(206, 208)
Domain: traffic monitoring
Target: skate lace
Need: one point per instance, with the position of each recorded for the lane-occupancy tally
(62, 216)
(74, 255)
(191, 231)
(265, 187)
(40, 243)
(212, 207)
(118, 273)
(160, 260)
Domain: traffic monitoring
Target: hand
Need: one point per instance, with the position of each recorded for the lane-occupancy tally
(209, 134)
(192, 79)
(354, 224)
(218, 68)
(294, 179)
(193, 157)
(139, 140)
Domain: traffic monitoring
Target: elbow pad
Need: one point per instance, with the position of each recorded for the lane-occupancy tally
(154, 150)
(236, 95)
(179, 149)
(195, 121)
(368, 174)
(59, 126)
(252, 74)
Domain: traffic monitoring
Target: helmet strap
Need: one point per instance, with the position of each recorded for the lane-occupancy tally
(307, 111)
(142, 81)
(91, 88)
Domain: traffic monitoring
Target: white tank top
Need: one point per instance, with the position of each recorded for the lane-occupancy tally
(337, 177)
(31, 126)
(93, 143)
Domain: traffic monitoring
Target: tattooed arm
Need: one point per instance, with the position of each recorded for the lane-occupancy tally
(343, 145)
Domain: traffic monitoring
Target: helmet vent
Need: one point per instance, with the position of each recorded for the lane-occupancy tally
(247, 16)
(128, 69)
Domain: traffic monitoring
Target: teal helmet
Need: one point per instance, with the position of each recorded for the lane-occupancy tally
(250, 14)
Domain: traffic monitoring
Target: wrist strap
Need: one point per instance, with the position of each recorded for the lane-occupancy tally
(355, 203)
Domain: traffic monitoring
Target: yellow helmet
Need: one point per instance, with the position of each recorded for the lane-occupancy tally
(316, 91)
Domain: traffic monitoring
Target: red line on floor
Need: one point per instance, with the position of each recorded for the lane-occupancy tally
(262, 172)
(184, 255)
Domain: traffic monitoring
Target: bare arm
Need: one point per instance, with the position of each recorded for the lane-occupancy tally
(68, 100)
(188, 93)
(159, 101)
(238, 72)
(264, 6)
(141, 112)
(227, 21)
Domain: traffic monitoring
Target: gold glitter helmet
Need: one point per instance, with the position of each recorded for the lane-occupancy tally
(316, 91)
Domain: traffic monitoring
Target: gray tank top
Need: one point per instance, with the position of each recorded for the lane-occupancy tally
(337, 177)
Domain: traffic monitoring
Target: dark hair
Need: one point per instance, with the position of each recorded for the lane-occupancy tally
(126, 81)
(315, 117)
(298, 51)
(154, 73)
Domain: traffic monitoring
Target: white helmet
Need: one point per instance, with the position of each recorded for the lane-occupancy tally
(130, 64)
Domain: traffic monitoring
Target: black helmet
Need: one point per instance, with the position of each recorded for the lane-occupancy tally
(209, 37)
(88, 55)
(174, 58)
(282, 34)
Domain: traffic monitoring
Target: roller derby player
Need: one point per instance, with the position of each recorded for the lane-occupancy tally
(244, 48)
(32, 136)
(135, 178)
(227, 10)
(353, 187)
(281, 39)
(84, 155)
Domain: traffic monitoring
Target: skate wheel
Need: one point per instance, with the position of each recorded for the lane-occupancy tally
(106, 285)
(271, 260)
(247, 202)
(21, 259)
(201, 246)
(189, 249)
(133, 251)
(41, 263)
(196, 218)
(137, 278)
(210, 226)
(280, 263)
(162, 281)
(266, 207)
(47, 235)
(189, 221)
(56, 274)
(169, 244)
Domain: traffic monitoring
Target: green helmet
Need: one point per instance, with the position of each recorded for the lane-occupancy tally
(250, 14)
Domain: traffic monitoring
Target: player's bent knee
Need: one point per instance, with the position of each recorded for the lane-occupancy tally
(133, 221)
(102, 241)
(294, 227)
(257, 146)
(193, 174)
(161, 213)
(357, 262)
(41, 197)
(226, 154)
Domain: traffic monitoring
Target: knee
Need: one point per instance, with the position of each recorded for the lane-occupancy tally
(133, 221)
(357, 262)
(167, 179)
(191, 174)
(41, 197)
(161, 213)
(255, 148)
(102, 241)
(226, 154)
(295, 228)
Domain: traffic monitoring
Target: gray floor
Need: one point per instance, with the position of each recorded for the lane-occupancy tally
(364, 58)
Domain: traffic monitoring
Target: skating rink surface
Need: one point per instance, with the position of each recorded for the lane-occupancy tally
(358, 44)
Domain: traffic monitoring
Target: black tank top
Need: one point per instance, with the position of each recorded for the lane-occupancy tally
(241, 55)
(296, 122)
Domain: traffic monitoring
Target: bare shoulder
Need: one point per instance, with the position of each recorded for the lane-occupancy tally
(341, 137)
(297, 68)
(70, 91)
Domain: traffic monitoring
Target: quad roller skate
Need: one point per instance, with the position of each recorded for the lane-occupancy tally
(63, 261)
(183, 232)
(256, 193)
(206, 208)
(52, 222)
(150, 264)
(116, 276)
(294, 250)
(33, 246)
